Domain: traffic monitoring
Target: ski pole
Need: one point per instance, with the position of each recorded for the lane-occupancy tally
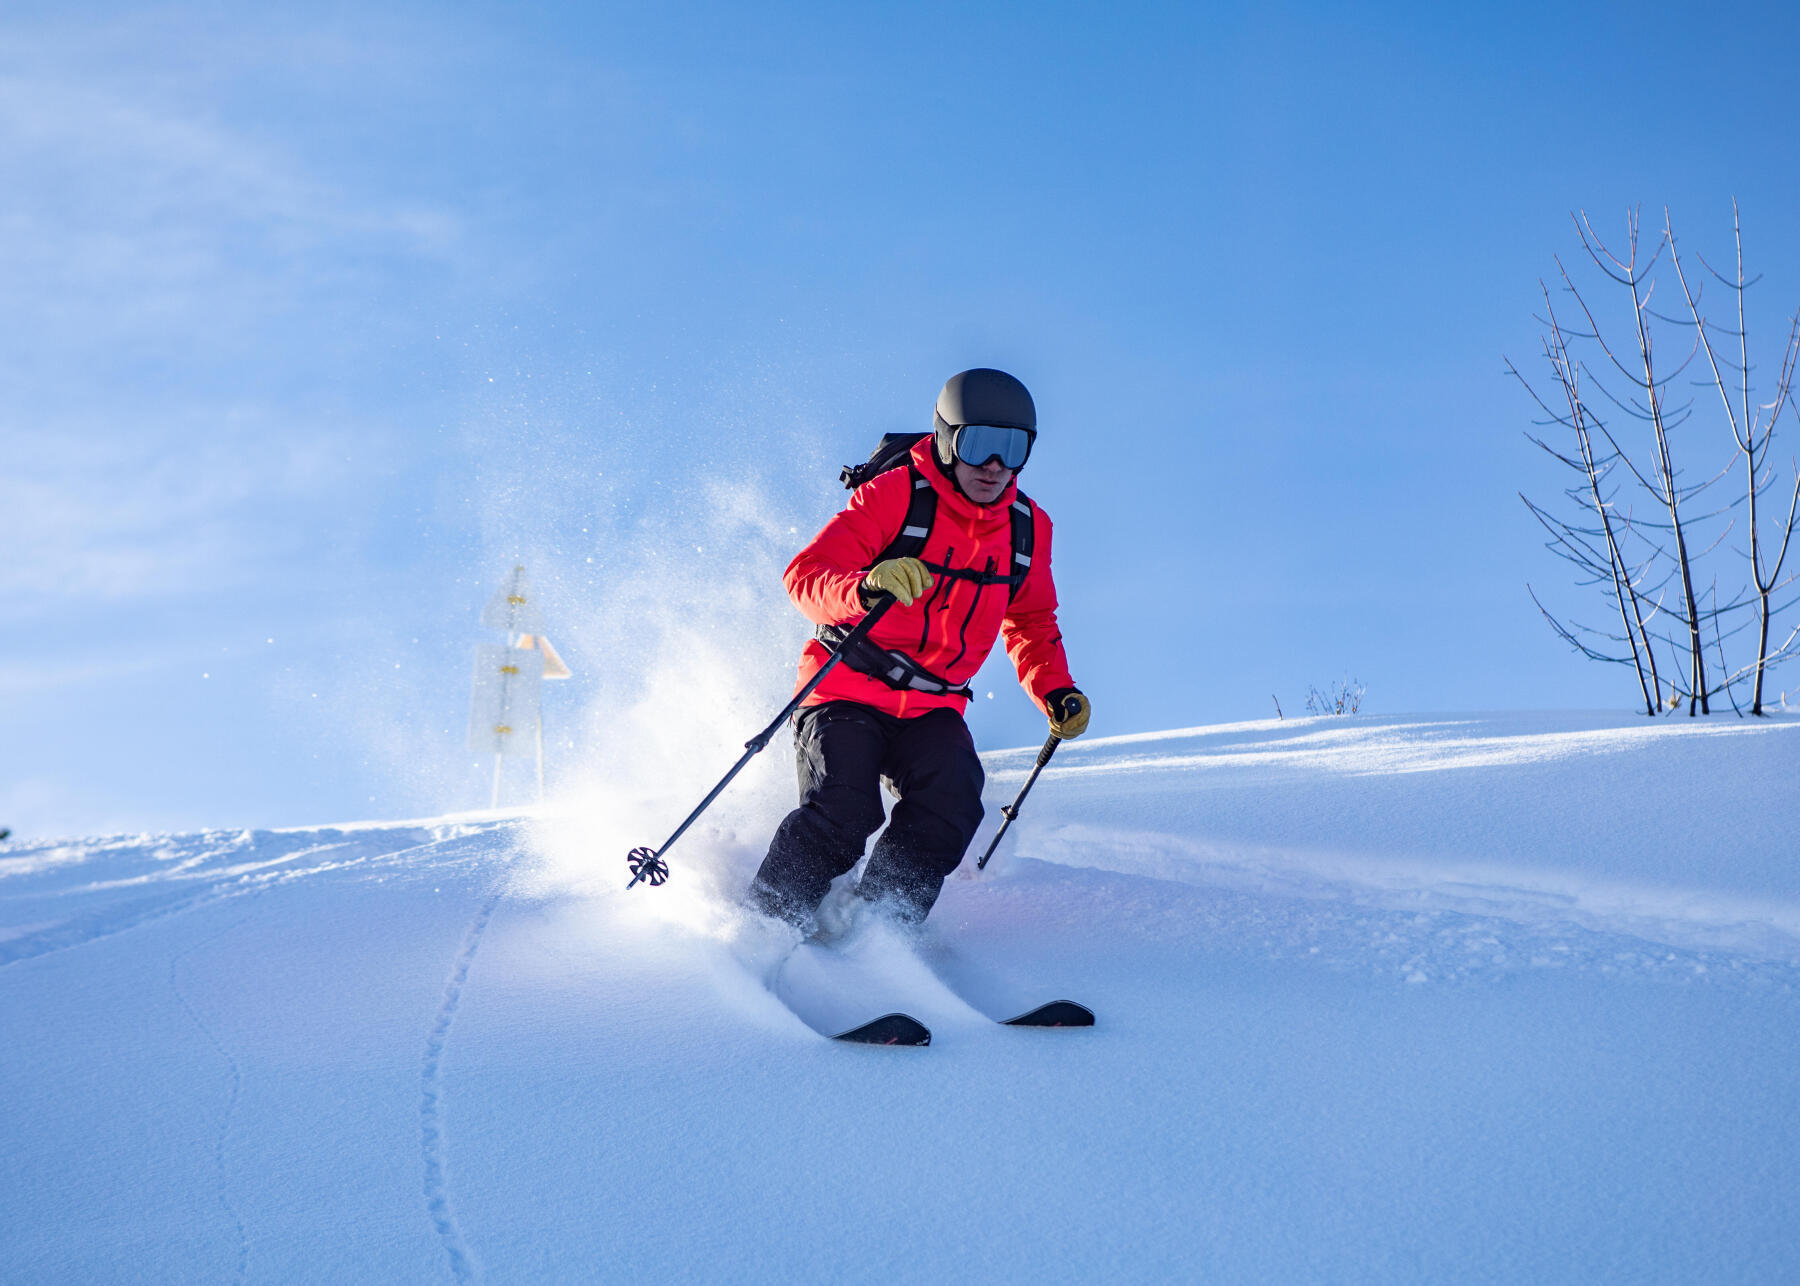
(1011, 813)
(648, 864)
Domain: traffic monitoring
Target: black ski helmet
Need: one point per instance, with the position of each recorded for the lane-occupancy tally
(981, 396)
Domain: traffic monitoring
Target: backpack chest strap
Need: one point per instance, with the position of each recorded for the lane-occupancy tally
(972, 576)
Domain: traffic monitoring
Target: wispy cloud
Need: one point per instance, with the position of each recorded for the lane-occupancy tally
(126, 213)
(160, 254)
(173, 506)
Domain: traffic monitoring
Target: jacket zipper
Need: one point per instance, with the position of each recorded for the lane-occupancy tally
(963, 635)
(943, 583)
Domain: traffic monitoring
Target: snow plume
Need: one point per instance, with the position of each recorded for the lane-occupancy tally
(654, 522)
(691, 645)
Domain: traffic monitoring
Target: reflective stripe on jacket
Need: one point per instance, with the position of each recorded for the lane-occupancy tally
(952, 628)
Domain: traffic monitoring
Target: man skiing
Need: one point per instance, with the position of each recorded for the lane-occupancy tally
(967, 560)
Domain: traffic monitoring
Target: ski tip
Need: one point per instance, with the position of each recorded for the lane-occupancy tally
(889, 1029)
(1058, 1013)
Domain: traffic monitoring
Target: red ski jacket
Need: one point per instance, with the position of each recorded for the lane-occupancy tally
(952, 628)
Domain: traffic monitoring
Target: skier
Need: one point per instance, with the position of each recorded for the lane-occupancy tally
(967, 560)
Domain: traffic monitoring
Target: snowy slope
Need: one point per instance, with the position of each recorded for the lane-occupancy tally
(1504, 998)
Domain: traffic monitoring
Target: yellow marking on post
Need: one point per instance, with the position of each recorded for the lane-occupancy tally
(502, 728)
(515, 599)
(509, 669)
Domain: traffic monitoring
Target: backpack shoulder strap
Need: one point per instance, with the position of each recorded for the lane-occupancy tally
(915, 528)
(1024, 538)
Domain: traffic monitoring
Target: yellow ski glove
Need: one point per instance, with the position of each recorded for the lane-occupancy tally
(1069, 709)
(904, 578)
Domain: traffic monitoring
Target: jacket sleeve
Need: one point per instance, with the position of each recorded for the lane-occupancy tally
(823, 577)
(1033, 639)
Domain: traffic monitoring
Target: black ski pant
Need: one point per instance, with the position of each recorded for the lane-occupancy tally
(845, 750)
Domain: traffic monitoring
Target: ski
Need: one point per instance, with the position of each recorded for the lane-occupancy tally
(834, 984)
(1058, 1013)
(835, 994)
(1005, 998)
(889, 1029)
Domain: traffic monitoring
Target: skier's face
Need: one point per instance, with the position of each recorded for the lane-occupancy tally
(983, 483)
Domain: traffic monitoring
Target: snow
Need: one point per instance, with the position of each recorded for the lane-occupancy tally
(1484, 998)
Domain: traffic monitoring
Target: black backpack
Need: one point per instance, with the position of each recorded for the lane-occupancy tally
(894, 452)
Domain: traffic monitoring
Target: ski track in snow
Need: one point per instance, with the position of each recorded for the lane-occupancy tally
(215, 885)
(431, 1136)
(78, 931)
(236, 1081)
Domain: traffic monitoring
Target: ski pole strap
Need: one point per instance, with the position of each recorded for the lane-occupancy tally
(889, 665)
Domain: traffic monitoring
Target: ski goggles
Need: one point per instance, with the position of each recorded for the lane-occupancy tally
(976, 444)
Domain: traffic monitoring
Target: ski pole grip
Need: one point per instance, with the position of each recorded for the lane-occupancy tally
(1048, 750)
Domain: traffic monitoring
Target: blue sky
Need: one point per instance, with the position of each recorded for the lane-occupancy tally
(317, 320)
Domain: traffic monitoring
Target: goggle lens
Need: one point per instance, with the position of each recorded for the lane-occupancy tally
(976, 444)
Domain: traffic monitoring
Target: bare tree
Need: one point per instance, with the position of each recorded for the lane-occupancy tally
(1343, 697)
(1651, 567)
(1592, 494)
(1753, 432)
(1664, 485)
